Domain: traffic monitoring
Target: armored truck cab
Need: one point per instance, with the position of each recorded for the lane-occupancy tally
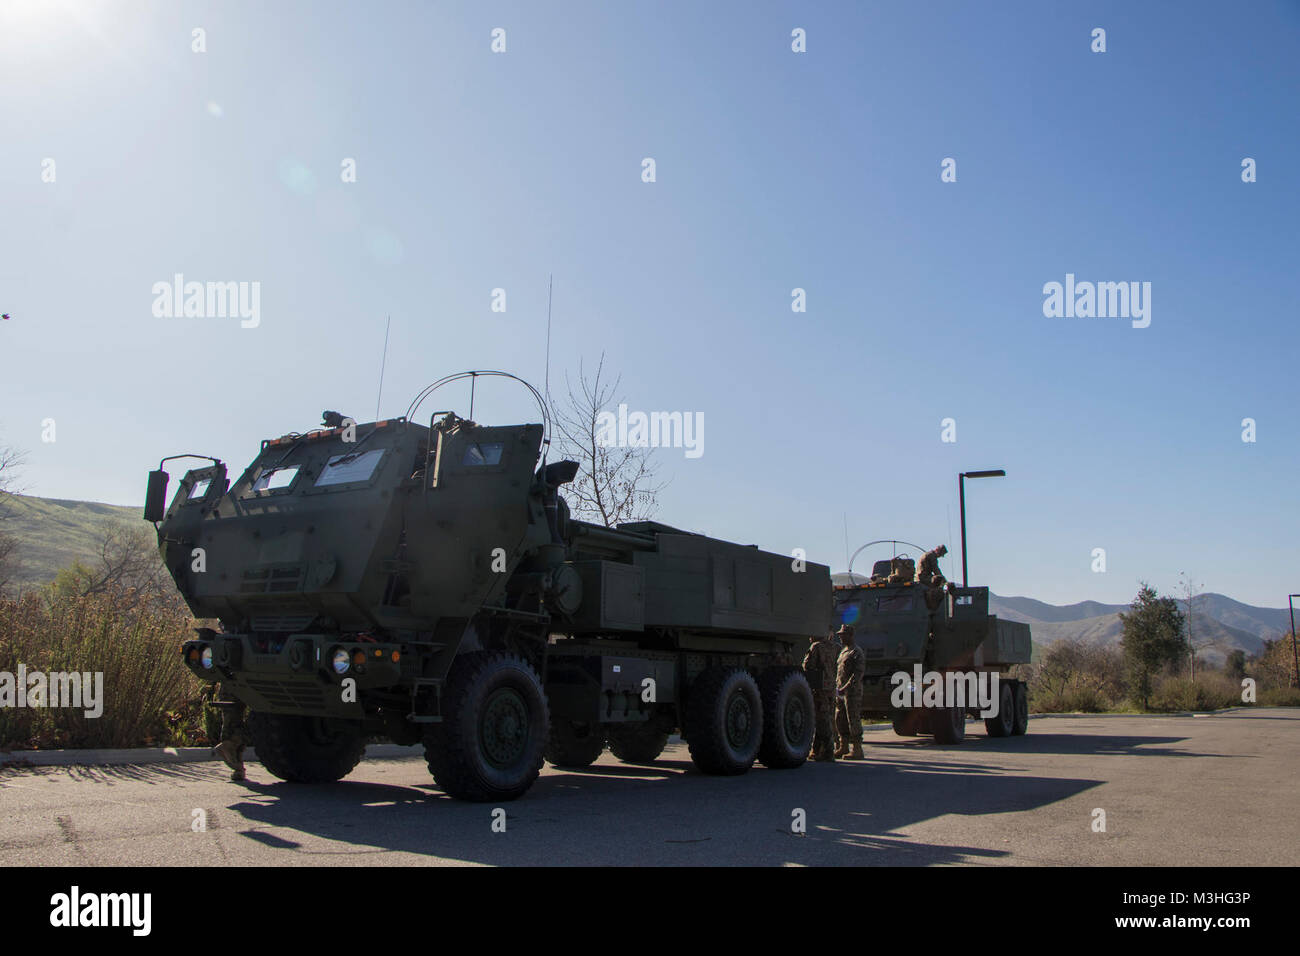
(426, 583)
(931, 652)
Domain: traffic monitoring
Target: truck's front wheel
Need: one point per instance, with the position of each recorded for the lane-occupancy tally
(306, 749)
(948, 724)
(907, 722)
(724, 721)
(494, 728)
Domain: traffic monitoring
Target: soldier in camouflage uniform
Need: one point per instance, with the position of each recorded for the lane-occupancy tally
(234, 736)
(819, 666)
(848, 690)
(928, 574)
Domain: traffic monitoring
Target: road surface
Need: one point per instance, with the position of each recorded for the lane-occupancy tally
(1174, 790)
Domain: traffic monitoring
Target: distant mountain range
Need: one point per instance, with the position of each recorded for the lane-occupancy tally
(53, 532)
(1218, 624)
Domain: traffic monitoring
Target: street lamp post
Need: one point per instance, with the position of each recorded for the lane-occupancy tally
(961, 495)
(1290, 602)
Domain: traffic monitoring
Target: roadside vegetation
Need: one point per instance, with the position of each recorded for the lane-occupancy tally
(1151, 670)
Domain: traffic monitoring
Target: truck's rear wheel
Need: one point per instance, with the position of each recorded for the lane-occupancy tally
(724, 721)
(1022, 710)
(788, 721)
(574, 743)
(306, 749)
(907, 722)
(494, 728)
(1003, 725)
(948, 724)
(636, 742)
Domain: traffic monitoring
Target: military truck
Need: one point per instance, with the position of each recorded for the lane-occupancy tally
(905, 627)
(426, 583)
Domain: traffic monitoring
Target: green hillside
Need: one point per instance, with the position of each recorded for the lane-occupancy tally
(52, 533)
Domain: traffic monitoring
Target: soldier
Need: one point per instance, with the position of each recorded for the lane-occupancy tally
(928, 575)
(819, 666)
(833, 638)
(234, 737)
(848, 690)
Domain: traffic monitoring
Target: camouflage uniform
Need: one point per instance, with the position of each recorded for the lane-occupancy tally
(819, 666)
(928, 574)
(234, 735)
(848, 708)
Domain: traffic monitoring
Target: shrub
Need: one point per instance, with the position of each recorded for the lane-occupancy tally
(1212, 690)
(149, 697)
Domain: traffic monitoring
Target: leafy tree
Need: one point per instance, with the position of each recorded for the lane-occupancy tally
(1235, 665)
(1154, 635)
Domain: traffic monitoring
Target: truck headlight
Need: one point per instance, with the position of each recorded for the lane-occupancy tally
(341, 661)
(205, 658)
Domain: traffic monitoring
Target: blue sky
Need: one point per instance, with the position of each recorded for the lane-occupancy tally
(775, 170)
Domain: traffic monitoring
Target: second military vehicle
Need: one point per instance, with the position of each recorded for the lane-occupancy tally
(426, 583)
(938, 634)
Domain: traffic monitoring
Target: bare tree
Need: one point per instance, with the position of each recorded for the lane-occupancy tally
(1191, 591)
(127, 568)
(615, 482)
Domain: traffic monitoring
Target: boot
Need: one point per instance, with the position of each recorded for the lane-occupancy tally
(233, 757)
(825, 756)
(856, 752)
(841, 749)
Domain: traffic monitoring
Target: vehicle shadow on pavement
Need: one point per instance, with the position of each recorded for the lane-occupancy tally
(1065, 744)
(855, 813)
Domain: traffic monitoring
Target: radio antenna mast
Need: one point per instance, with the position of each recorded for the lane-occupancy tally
(550, 285)
(382, 364)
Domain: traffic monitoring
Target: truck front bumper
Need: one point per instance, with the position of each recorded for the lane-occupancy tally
(297, 675)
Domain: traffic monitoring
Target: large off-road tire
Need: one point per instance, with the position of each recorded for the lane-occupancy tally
(1021, 723)
(574, 744)
(724, 721)
(306, 749)
(494, 727)
(789, 718)
(948, 724)
(908, 721)
(636, 743)
(1003, 725)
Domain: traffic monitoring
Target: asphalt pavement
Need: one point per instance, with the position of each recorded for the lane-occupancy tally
(1182, 791)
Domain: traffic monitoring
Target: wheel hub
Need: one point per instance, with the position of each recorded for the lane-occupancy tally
(738, 720)
(504, 727)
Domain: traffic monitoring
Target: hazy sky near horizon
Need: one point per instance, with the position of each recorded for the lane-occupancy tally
(775, 170)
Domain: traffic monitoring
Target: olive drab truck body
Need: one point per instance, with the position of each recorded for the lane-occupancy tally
(911, 634)
(426, 583)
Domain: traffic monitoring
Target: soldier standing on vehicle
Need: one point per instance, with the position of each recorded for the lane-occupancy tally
(819, 667)
(928, 574)
(848, 689)
(234, 737)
